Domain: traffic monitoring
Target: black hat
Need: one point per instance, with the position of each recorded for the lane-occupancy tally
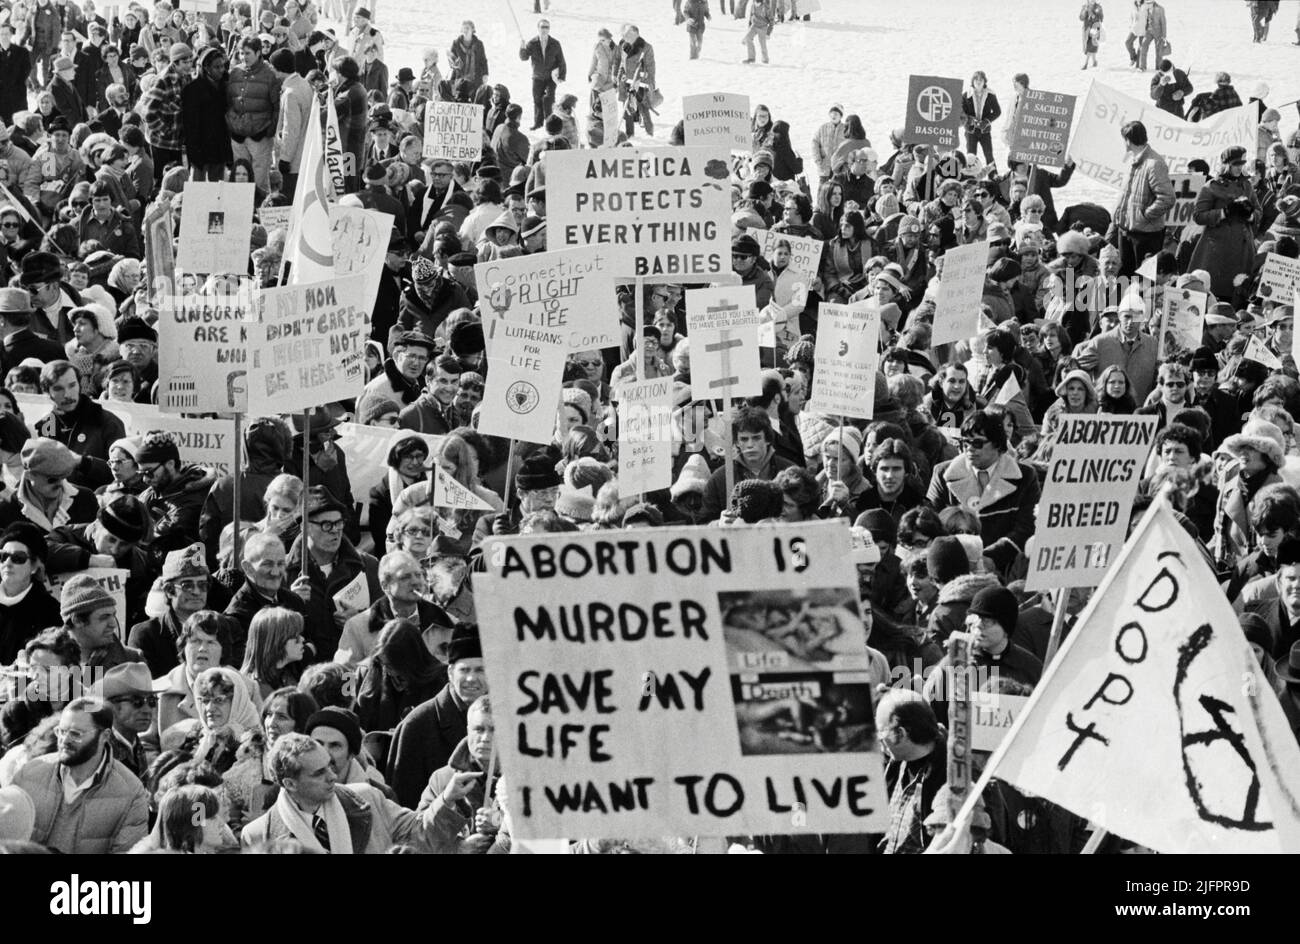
(320, 499)
(342, 721)
(463, 259)
(13, 433)
(58, 123)
(745, 246)
(997, 603)
(418, 339)
(1288, 668)
(946, 559)
(40, 267)
(1204, 359)
(125, 518)
(397, 242)
(133, 329)
(1004, 270)
(758, 190)
(376, 173)
(28, 535)
(467, 339)
(405, 74)
(464, 643)
(537, 472)
(1236, 154)
(880, 523)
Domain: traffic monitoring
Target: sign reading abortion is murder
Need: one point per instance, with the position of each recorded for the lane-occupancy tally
(1083, 513)
(570, 290)
(681, 682)
(661, 212)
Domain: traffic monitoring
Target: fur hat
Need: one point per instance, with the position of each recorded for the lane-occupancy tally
(464, 643)
(1072, 241)
(692, 478)
(946, 559)
(537, 472)
(1262, 436)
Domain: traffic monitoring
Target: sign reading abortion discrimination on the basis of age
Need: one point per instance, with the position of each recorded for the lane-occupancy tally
(933, 111)
(718, 119)
(1041, 134)
(309, 347)
(723, 325)
(203, 352)
(568, 290)
(216, 228)
(660, 212)
(846, 356)
(1098, 150)
(961, 285)
(645, 457)
(1097, 460)
(453, 131)
(522, 393)
(681, 682)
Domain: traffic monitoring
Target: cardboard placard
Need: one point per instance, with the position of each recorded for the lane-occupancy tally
(1280, 276)
(448, 493)
(846, 358)
(203, 352)
(1181, 322)
(645, 456)
(717, 119)
(933, 111)
(216, 228)
(1041, 133)
(961, 289)
(723, 326)
(522, 392)
(453, 131)
(570, 290)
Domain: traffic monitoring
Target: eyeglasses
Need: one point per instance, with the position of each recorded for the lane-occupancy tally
(78, 204)
(329, 527)
(1001, 243)
(148, 470)
(18, 557)
(69, 734)
(213, 699)
(192, 586)
(1168, 383)
(418, 532)
(973, 443)
(413, 575)
(137, 701)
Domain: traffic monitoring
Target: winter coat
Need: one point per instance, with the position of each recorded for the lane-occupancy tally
(116, 234)
(15, 68)
(156, 638)
(46, 28)
(267, 446)
(206, 140)
(253, 100)
(162, 111)
(296, 102)
(604, 68)
(322, 630)
(1138, 359)
(416, 313)
(1147, 194)
(111, 816)
(716, 498)
(1211, 103)
(844, 267)
(989, 111)
(88, 431)
(375, 823)
(824, 143)
(352, 106)
(23, 620)
(20, 173)
(509, 147)
(695, 13)
(1227, 246)
(176, 512)
(1163, 93)
(1005, 510)
(786, 165)
(637, 64)
(544, 63)
(949, 613)
(67, 101)
(247, 602)
(361, 632)
(468, 60)
(424, 742)
(450, 820)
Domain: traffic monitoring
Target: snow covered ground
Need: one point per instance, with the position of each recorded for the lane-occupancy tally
(860, 53)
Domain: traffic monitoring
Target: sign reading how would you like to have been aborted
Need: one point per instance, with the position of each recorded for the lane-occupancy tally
(1097, 461)
(723, 325)
(661, 212)
(309, 347)
(571, 290)
(681, 682)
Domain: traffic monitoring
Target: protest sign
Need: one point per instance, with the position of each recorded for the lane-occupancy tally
(307, 253)
(717, 119)
(805, 252)
(522, 392)
(1187, 187)
(112, 579)
(1009, 390)
(359, 239)
(1256, 351)
(645, 457)
(1181, 322)
(1295, 335)
(933, 111)
(159, 259)
(203, 352)
(309, 346)
(448, 493)
(367, 449)
(845, 359)
(570, 290)
(216, 228)
(206, 442)
(339, 162)
(1155, 721)
(453, 131)
(723, 326)
(1041, 132)
(1280, 276)
(991, 718)
(611, 117)
(273, 218)
(1098, 150)
(662, 212)
(1097, 460)
(961, 288)
(355, 595)
(681, 682)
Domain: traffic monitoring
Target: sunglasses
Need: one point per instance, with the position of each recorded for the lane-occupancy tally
(137, 701)
(10, 226)
(1175, 383)
(18, 557)
(972, 443)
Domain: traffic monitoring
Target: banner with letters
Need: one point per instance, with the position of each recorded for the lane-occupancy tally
(569, 290)
(846, 358)
(717, 119)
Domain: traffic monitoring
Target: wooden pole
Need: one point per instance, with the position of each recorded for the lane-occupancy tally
(238, 473)
(729, 460)
(511, 8)
(510, 477)
(1096, 839)
(639, 349)
(1058, 625)
(959, 720)
(306, 481)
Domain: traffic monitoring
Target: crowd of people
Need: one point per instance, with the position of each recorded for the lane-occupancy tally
(243, 683)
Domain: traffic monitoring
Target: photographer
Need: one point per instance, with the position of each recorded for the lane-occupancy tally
(1170, 88)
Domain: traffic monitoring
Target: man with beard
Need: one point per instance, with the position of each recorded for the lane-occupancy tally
(427, 737)
(79, 423)
(430, 413)
(86, 801)
(426, 303)
(174, 495)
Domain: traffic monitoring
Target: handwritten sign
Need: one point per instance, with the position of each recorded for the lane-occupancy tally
(717, 119)
(522, 392)
(723, 325)
(1041, 133)
(1182, 320)
(569, 290)
(453, 131)
(961, 286)
(1280, 276)
(645, 458)
(448, 493)
(203, 352)
(846, 359)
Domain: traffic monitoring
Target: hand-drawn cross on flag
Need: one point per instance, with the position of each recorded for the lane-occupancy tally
(723, 326)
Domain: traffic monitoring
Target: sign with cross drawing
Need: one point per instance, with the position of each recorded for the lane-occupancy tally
(723, 326)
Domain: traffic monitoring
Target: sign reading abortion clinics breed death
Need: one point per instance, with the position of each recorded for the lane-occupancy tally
(522, 393)
(309, 346)
(570, 290)
(847, 352)
(681, 682)
(933, 111)
(661, 212)
(717, 119)
(1097, 460)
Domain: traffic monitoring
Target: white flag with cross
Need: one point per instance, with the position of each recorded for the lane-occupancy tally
(723, 326)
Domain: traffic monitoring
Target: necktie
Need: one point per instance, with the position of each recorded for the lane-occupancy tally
(320, 830)
(982, 477)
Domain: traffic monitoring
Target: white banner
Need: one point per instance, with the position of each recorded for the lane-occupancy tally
(570, 290)
(522, 392)
(846, 358)
(723, 326)
(699, 682)
(661, 212)
(961, 288)
(308, 348)
(1098, 150)
(216, 228)
(204, 441)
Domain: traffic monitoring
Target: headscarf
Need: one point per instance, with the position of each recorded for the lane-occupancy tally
(243, 713)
